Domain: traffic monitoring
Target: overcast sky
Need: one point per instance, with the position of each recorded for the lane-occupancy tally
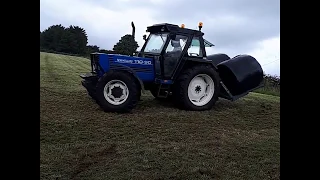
(234, 26)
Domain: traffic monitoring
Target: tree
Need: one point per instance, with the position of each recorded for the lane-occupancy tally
(126, 45)
(107, 51)
(71, 40)
(78, 39)
(41, 41)
(50, 38)
(92, 49)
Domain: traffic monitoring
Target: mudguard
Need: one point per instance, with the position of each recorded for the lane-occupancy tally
(218, 58)
(132, 72)
(241, 74)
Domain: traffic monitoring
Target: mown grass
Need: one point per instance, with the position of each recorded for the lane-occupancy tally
(235, 140)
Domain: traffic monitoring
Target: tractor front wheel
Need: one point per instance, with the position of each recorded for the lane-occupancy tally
(197, 88)
(117, 92)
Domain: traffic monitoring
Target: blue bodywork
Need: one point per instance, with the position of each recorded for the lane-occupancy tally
(143, 68)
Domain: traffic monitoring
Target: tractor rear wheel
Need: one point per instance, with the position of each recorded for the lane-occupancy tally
(197, 88)
(117, 92)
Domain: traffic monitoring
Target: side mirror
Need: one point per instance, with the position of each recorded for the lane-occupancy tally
(144, 37)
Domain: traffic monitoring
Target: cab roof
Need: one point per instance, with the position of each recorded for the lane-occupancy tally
(166, 27)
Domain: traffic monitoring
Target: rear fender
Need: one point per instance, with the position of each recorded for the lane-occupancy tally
(240, 75)
(193, 62)
(218, 58)
(189, 62)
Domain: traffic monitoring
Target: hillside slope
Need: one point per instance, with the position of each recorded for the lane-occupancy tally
(235, 140)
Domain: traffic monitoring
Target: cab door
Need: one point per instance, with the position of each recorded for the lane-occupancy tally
(172, 54)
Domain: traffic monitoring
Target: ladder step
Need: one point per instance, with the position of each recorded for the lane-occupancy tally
(163, 90)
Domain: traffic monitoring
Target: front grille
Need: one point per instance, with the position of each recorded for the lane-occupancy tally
(94, 62)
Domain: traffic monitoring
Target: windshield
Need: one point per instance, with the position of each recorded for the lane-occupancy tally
(155, 43)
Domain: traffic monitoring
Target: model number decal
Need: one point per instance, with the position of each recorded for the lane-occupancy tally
(130, 61)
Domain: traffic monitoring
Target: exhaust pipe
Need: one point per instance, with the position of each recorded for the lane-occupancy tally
(133, 30)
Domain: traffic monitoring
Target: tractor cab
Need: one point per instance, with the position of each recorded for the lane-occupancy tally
(170, 46)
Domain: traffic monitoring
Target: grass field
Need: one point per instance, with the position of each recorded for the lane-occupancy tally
(235, 140)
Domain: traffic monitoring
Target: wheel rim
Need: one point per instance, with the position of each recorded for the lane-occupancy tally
(116, 92)
(201, 90)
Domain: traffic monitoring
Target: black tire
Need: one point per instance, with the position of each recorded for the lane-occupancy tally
(182, 83)
(90, 87)
(139, 95)
(154, 92)
(92, 95)
(130, 82)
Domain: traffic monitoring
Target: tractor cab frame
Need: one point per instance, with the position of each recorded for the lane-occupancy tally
(171, 46)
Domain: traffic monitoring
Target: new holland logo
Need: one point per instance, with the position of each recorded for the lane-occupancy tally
(134, 61)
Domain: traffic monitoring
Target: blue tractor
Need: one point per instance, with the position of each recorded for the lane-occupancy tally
(172, 64)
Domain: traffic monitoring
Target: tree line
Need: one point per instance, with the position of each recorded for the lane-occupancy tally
(74, 40)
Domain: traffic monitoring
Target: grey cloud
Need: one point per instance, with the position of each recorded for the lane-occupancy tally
(260, 19)
(46, 21)
(102, 41)
(244, 35)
